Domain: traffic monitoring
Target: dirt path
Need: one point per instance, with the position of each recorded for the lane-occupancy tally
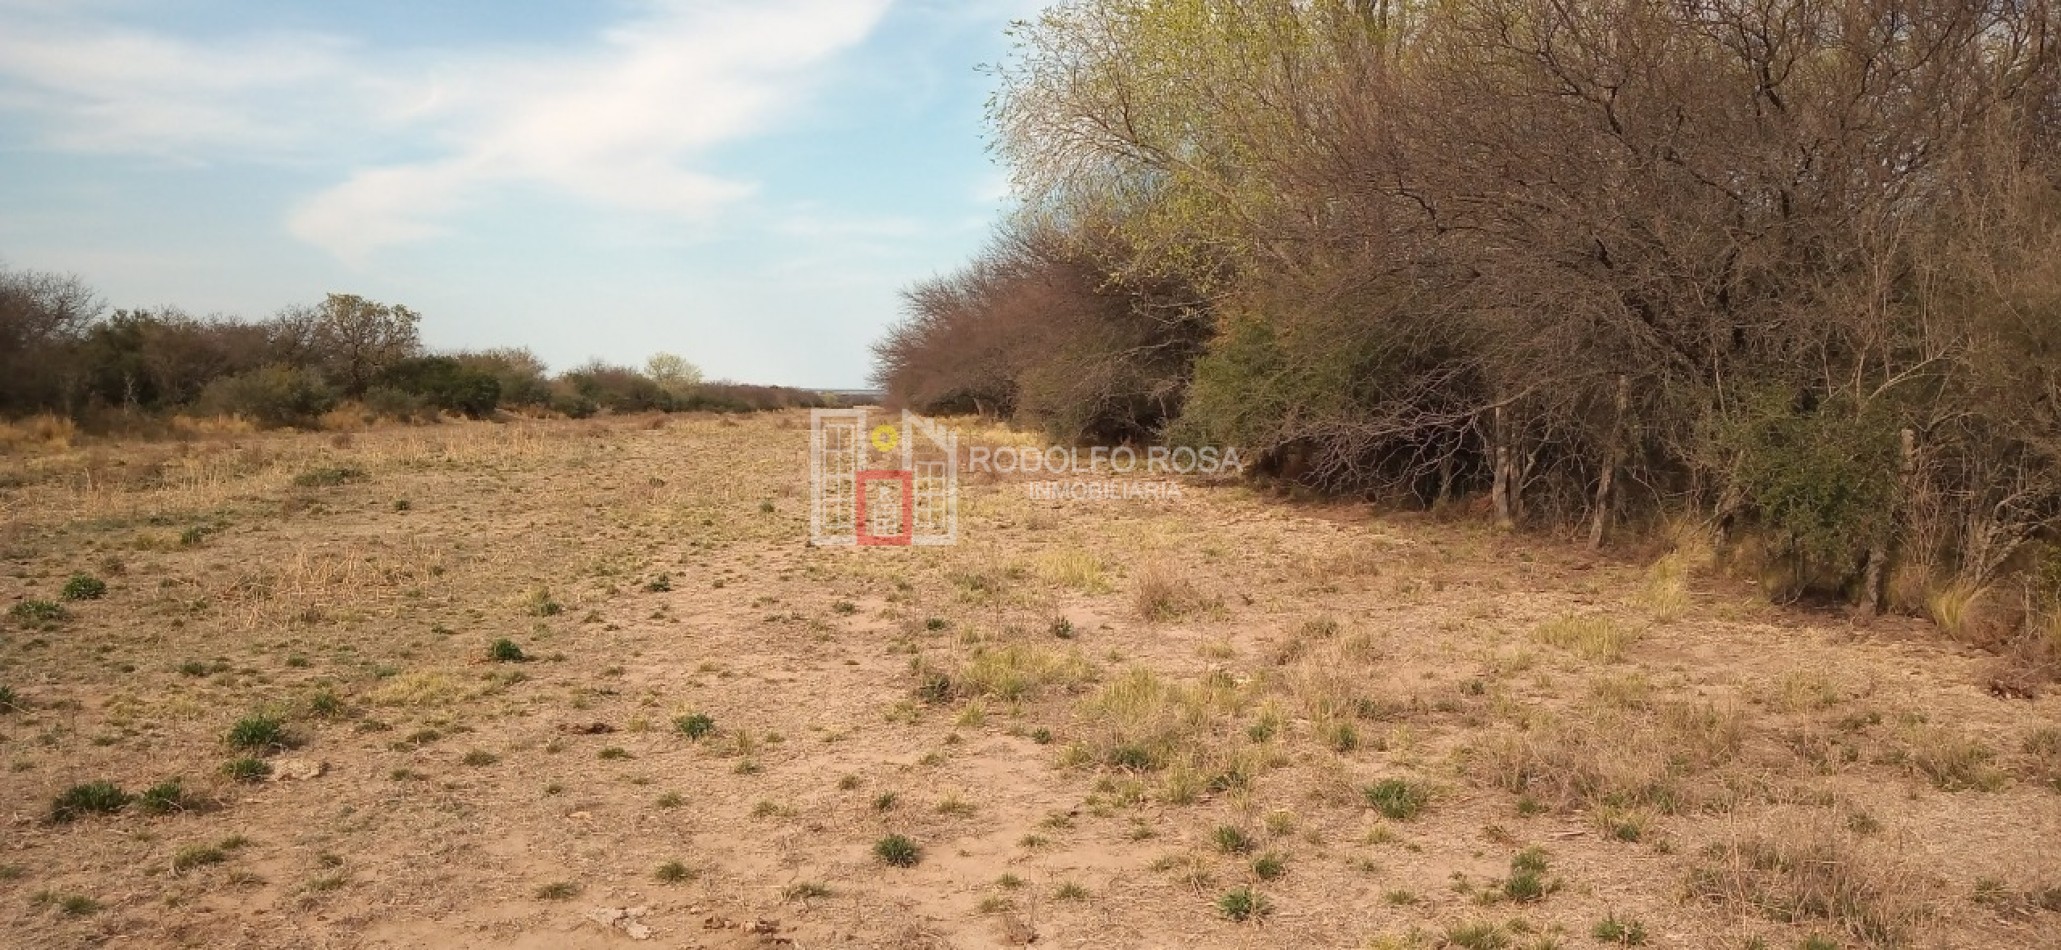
(1352, 729)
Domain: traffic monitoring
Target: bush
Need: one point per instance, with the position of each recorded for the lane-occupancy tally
(1244, 903)
(258, 733)
(517, 373)
(38, 612)
(695, 725)
(617, 389)
(897, 851)
(329, 477)
(166, 797)
(274, 395)
(84, 587)
(93, 798)
(1821, 480)
(386, 402)
(1397, 799)
(446, 383)
(248, 769)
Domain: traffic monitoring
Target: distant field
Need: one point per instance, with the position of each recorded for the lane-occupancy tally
(1222, 720)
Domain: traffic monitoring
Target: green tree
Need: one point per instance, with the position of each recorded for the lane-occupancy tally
(353, 340)
(673, 372)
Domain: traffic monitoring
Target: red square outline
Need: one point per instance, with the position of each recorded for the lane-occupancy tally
(864, 527)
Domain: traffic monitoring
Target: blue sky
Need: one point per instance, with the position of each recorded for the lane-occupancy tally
(748, 183)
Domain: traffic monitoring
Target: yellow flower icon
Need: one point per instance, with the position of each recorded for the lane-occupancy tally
(886, 437)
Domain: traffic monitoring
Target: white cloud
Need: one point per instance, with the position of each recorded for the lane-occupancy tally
(617, 120)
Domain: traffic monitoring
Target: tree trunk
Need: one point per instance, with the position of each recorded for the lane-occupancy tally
(1871, 585)
(1613, 457)
(1870, 601)
(1504, 479)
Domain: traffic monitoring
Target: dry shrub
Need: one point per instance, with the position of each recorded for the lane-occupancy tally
(1973, 614)
(1324, 692)
(1909, 589)
(42, 431)
(1661, 756)
(1804, 868)
(1592, 637)
(1667, 585)
(185, 426)
(1691, 541)
(2033, 655)
(1161, 593)
(347, 417)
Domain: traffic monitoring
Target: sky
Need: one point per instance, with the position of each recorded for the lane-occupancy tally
(747, 183)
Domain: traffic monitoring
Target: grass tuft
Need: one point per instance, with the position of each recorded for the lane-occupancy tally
(248, 769)
(1231, 839)
(1591, 637)
(38, 613)
(1160, 594)
(1243, 903)
(897, 851)
(92, 798)
(1398, 799)
(695, 726)
(673, 872)
(559, 891)
(1812, 869)
(1624, 933)
(83, 587)
(257, 733)
(165, 798)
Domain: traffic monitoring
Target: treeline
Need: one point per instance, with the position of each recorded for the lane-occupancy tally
(62, 352)
(1792, 267)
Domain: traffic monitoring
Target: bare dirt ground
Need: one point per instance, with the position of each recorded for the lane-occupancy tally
(1122, 723)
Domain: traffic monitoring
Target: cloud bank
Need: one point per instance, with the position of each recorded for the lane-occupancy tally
(620, 118)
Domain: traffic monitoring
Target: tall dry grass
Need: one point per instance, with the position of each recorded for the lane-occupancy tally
(1808, 867)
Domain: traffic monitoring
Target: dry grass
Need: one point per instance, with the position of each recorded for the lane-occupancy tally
(1366, 703)
(1954, 607)
(1589, 636)
(1073, 568)
(1018, 671)
(1809, 868)
(1161, 593)
(42, 433)
(426, 688)
(1666, 592)
(1141, 722)
(194, 427)
(1909, 587)
(1670, 756)
(1954, 762)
